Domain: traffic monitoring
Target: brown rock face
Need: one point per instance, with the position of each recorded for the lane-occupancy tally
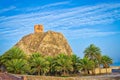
(47, 43)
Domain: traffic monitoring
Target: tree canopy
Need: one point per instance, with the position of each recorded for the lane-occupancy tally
(16, 61)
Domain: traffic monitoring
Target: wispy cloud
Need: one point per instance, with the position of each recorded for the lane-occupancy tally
(48, 6)
(87, 33)
(65, 20)
(7, 9)
(55, 4)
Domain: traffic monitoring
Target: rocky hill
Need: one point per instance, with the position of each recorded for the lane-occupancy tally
(47, 43)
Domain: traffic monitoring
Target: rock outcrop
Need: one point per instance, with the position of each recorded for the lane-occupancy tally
(47, 43)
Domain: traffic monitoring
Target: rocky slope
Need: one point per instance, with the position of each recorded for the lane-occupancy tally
(47, 43)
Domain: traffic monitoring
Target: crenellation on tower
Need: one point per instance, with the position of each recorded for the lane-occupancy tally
(38, 28)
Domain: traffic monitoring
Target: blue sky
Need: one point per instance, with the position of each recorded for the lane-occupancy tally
(83, 22)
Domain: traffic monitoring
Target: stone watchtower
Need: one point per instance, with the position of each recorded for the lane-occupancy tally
(38, 28)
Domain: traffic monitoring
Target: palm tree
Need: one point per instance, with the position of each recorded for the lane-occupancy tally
(13, 53)
(98, 61)
(86, 64)
(39, 64)
(106, 61)
(63, 63)
(34, 55)
(93, 53)
(0, 63)
(17, 66)
(51, 64)
(75, 63)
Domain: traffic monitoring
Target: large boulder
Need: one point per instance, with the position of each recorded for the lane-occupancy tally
(47, 43)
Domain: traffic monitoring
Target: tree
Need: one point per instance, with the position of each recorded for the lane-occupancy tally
(98, 61)
(13, 53)
(63, 63)
(17, 66)
(86, 64)
(39, 64)
(10, 55)
(75, 63)
(35, 55)
(51, 64)
(0, 63)
(93, 53)
(106, 61)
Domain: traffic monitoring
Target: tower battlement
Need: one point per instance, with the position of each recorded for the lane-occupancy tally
(38, 28)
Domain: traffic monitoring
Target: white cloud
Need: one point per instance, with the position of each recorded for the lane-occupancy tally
(47, 6)
(86, 33)
(64, 19)
(55, 4)
(7, 9)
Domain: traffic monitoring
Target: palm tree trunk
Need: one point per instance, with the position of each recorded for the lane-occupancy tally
(38, 72)
(99, 69)
(43, 73)
(85, 71)
(93, 71)
(64, 73)
(106, 70)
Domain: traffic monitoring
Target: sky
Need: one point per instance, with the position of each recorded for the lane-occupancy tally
(83, 22)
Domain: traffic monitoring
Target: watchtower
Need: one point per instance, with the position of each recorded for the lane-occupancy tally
(38, 28)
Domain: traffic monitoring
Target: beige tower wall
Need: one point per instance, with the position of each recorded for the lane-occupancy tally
(38, 28)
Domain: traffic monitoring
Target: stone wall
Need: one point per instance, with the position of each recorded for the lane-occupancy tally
(103, 70)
